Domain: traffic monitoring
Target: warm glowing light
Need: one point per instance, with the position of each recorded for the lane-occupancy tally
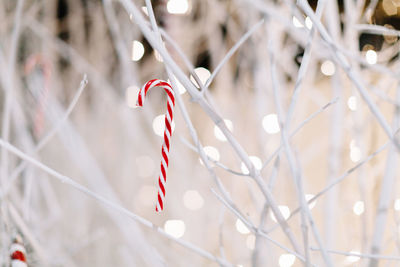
(159, 125)
(193, 200)
(312, 204)
(352, 103)
(353, 258)
(178, 6)
(389, 7)
(131, 95)
(147, 194)
(270, 123)
(144, 166)
(371, 56)
(285, 211)
(251, 242)
(180, 86)
(211, 152)
(297, 23)
(358, 208)
(308, 23)
(203, 75)
(397, 204)
(355, 152)
(217, 132)
(137, 50)
(175, 228)
(241, 227)
(286, 260)
(256, 162)
(328, 68)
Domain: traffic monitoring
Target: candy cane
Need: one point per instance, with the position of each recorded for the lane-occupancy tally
(17, 253)
(167, 134)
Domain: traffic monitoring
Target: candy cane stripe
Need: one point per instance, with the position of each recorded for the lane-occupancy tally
(165, 157)
(162, 178)
(17, 253)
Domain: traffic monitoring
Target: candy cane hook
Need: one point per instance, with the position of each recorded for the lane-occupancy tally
(17, 253)
(167, 134)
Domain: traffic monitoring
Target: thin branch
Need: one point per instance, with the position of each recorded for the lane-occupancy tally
(70, 182)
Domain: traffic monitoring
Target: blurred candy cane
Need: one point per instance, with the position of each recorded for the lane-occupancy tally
(31, 63)
(167, 134)
(17, 253)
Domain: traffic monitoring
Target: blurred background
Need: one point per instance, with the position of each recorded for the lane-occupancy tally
(327, 83)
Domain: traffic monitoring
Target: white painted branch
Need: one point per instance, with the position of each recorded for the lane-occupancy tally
(70, 182)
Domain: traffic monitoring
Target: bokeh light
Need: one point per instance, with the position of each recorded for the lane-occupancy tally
(137, 50)
(177, 6)
(159, 125)
(218, 133)
(328, 68)
(286, 260)
(358, 208)
(241, 227)
(270, 123)
(175, 228)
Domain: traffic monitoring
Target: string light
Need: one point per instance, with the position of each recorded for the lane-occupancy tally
(270, 123)
(355, 152)
(352, 103)
(285, 211)
(312, 204)
(256, 162)
(297, 23)
(241, 227)
(137, 50)
(358, 208)
(159, 125)
(211, 152)
(286, 260)
(203, 75)
(175, 228)
(217, 132)
(177, 6)
(180, 86)
(328, 68)
(371, 56)
(353, 258)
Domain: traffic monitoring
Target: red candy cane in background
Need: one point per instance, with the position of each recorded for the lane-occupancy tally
(17, 253)
(167, 134)
(31, 63)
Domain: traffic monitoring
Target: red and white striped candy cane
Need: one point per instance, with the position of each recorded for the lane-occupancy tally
(167, 134)
(17, 253)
